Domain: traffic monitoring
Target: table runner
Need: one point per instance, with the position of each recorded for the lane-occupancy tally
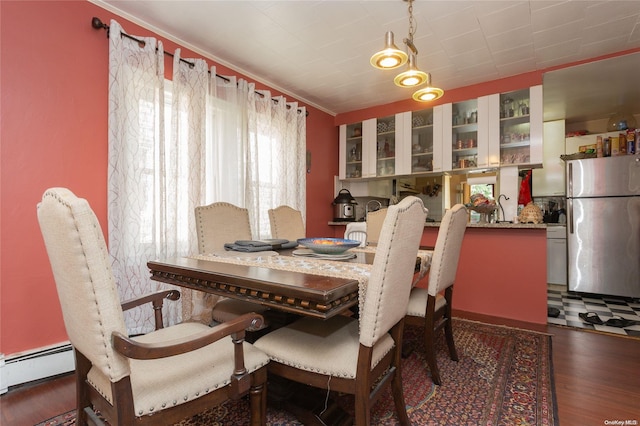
(330, 268)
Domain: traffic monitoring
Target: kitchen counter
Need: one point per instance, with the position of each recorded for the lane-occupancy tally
(502, 270)
(501, 225)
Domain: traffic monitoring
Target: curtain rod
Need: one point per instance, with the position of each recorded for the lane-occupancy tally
(99, 25)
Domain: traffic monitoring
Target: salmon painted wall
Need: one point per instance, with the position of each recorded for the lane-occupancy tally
(53, 132)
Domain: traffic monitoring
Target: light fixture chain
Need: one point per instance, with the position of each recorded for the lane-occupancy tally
(411, 21)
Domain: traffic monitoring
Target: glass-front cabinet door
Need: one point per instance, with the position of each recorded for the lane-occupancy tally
(462, 141)
(357, 152)
(422, 141)
(520, 134)
(386, 128)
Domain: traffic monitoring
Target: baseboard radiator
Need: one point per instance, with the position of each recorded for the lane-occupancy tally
(35, 365)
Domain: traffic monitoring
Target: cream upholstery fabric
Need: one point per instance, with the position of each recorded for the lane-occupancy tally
(327, 347)
(221, 223)
(444, 264)
(166, 382)
(375, 220)
(286, 223)
(82, 272)
(357, 231)
(217, 224)
(331, 345)
(418, 302)
(92, 312)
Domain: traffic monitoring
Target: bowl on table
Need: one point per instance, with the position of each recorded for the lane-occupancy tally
(328, 245)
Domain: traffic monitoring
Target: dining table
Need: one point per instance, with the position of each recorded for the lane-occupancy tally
(315, 287)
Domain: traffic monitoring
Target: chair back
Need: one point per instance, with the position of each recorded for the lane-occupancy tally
(356, 231)
(221, 223)
(286, 223)
(446, 253)
(392, 272)
(375, 220)
(82, 271)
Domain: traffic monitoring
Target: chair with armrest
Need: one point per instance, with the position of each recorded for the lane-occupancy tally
(429, 307)
(359, 356)
(286, 223)
(158, 378)
(217, 224)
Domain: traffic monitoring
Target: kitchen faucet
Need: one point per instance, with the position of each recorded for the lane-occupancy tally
(502, 208)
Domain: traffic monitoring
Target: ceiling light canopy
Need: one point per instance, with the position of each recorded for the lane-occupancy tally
(391, 57)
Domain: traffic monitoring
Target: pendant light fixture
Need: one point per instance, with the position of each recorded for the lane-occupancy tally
(391, 57)
(412, 76)
(428, 93)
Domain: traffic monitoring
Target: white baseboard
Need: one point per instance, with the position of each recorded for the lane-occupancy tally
(35, 365)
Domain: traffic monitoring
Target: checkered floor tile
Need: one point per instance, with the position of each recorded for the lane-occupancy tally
(571, 304)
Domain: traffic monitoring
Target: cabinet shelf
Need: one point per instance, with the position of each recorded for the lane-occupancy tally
(515, 120)
(514, 144)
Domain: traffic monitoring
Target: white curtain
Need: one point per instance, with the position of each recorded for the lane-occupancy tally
(222, 142)
(136, 136)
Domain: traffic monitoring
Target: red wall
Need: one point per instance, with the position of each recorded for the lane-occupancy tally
(53, 132)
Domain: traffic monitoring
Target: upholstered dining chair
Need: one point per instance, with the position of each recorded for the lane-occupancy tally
(375, 220)
(158, 378)
(217, 224)
(360, 357)
(431, 307)
(286, 223)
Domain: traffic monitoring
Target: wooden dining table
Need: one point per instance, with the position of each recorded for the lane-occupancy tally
(314, 294)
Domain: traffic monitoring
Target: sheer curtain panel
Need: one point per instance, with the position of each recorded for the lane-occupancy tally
(136, 133)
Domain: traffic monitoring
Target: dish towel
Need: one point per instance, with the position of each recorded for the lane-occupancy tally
(260, 245)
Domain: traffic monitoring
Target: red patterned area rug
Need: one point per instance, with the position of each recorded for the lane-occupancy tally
(504, 377)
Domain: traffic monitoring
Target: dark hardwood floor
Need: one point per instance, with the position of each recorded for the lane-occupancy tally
(597, 381)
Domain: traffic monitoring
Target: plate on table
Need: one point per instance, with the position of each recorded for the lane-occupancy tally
(328, 245)
(345, 255)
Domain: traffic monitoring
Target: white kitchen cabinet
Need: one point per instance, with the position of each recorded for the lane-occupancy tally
(357, 154)
(421, 148)
(520, 127)
(549, 180)
(390, 144)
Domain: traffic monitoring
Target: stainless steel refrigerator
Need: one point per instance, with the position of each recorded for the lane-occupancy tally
(603, 225)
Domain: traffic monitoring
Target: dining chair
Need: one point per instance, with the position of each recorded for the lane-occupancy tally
(217, 224)
(431, 307)
(375, 220)
(286, 223)
(158, 378)
(356, 231)
(359, 356)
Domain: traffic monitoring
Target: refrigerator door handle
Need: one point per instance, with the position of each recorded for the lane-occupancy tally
(570, 214)
(570, 180)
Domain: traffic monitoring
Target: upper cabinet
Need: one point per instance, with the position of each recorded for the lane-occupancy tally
(520, 129)
(502, 129)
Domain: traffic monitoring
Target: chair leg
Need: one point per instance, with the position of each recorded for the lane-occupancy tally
(448, 333)
(398, 398)
(82, 393)
(362, 409)
(429, 339)
(448, 330)
(258, 398)
(430, 353)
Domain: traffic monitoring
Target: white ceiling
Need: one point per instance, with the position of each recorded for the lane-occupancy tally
(318, 51)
